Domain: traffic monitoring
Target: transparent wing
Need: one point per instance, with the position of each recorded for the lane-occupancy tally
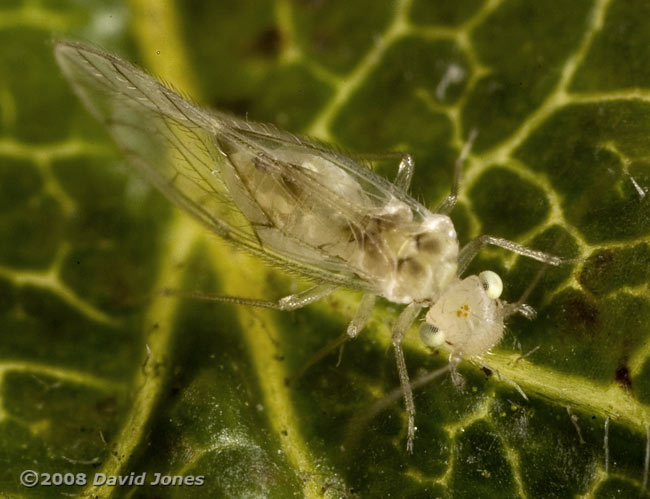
(377, 188)
(164, 136)
(293, 202)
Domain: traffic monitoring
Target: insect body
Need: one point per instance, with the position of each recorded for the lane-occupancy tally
(303, 207)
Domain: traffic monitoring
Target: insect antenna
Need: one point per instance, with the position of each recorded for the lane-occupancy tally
(317, 357)
(358, 322)
(520, 306)
(448, 204)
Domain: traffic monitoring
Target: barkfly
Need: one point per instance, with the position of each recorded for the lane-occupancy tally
(302, 206)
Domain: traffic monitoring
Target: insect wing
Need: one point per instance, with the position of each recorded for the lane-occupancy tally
(196, 158)
(164, 136)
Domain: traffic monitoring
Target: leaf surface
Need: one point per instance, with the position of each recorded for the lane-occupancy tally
(102, 374)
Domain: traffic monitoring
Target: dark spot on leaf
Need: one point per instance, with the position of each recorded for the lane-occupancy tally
(487, 371)
(623, 377)
(269, 42)
(608, 270)
(604, 259)
(176, 388)
(597, 268)
(321, 40)
(107, 406)
(579, 313)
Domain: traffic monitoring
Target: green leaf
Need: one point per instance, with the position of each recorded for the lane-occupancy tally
(102, 374)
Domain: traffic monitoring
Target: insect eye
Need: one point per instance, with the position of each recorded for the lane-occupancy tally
(491, 283)
(431, 336)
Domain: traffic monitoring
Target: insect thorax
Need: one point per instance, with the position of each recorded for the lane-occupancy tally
(409, 260)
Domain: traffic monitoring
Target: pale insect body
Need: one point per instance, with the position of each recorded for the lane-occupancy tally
(303, 207)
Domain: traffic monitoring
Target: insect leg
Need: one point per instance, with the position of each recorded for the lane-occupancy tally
(449, 202)
(359, 421)
(472, 248)
(405, 173)
(304, 298)
(519, 308)
(361, 316)
(404, 170)
(291, 302)
(401, 326)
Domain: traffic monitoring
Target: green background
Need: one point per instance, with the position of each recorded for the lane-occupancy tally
(99, 373)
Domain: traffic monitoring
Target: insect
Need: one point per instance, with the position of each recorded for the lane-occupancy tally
(304, 207)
